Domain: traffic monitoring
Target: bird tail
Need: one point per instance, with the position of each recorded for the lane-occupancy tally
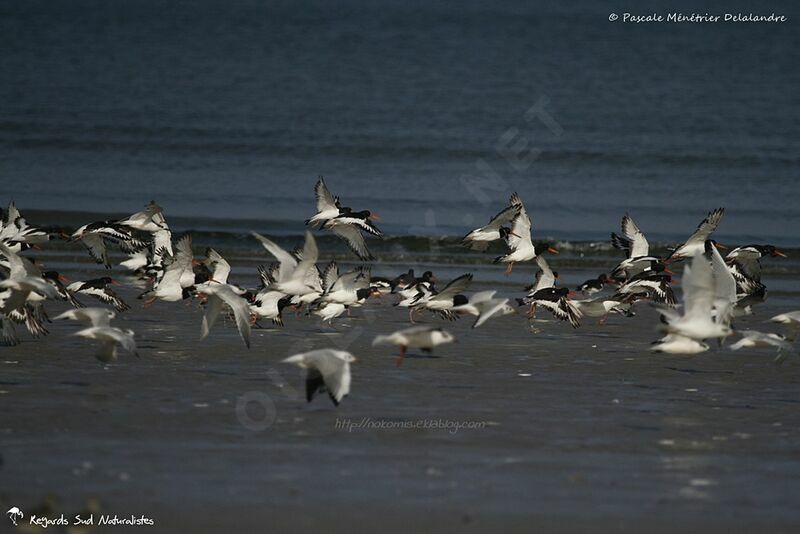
(499, 259)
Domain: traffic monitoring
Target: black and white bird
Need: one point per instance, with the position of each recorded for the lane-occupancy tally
(151, 219)
(745, 266)
(295, 277)
(555, 300)
(634, 243)
(518, 238)
(594, 285)
(21, 294)
(327, 370)
(59, 281)
(173, 283)
(443, 302)
(100, 288)
(343, 221)
(425, 338)
(341, 291)
(96, 236)
(697, 241)
(480, 238)
(651, 285)
(327, 205)
(267, 302)
(16, 234)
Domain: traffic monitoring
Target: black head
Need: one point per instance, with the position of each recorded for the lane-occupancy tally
(188, 292)
(282, 303)
(50, 275)
(427, 276)
(364, 293)
(602, 278)
(106, 280)
(460, 300)
(770, 250)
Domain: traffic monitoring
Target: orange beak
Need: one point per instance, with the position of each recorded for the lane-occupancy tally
(779, 253)
(63, 279)
(551, 250)
(374, 217)
(114, 282)
(668, 271)
(512, 233)
(720, 246)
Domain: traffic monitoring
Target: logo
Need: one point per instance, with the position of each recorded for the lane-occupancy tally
(14, 513)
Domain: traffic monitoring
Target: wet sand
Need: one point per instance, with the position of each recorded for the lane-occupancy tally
(578, 430)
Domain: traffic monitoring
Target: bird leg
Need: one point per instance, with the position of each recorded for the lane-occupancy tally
(532, 312)
(402, 355)
(603, 320)
(411, 315)
(149, 302)
(509, 268)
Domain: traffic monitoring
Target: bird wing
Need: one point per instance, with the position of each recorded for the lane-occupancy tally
(97, 248)
(547, 279)
(707, 226)
(455, 287)
(18, 267)
(724, 286)
(125, 339)
(351, 281)
(482, 296)
(354, 240)
(219, 294)
(746, 261)
(698, 288)
(286, 261)
(638, 243)
(521, 229)
(309, 258)
(335, 371)
(503, 218)
(325, 200)
(488, 309)
(109, 296)
(222, 269)
(562, 309)
(330, 275)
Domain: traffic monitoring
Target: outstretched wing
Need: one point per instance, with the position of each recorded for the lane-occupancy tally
(325, 200)
(638, 243)
(503, 218)
(520, 229)
(354, 239)
(455, 287)
(707, 226)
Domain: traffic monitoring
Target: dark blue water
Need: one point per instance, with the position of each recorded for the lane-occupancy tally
(231, 111)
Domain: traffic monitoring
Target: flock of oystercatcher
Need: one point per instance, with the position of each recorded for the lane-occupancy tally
(715, 290)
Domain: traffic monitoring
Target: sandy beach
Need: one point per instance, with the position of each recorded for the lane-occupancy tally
(551, 429)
